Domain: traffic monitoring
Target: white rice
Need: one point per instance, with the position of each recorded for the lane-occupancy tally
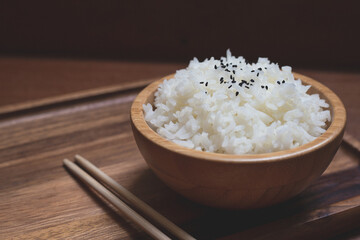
(196, 110)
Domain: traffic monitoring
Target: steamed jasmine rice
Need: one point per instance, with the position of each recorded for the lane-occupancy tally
(230, 106)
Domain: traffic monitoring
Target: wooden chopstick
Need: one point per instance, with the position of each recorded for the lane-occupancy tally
(132, 199)
(120, 205)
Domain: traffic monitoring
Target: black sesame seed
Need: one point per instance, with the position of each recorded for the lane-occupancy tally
(215, 67)
(240, 84)
(206, 84)
(265, 67)
(262, 86)
(252, 80)
(233, 81)
(230, 86)
(227, 64)
(243, 81)
(260, 69)
(247, 87)
(251, 84)
(237, 93)
(283, 81)
(223, 66)
(266, 87)
(227, 70)
(205, 92)
(278, 82)
(257, 74)
(201, 82)
(234, 66)
(233, 71)
(252, 70)
(241, 69)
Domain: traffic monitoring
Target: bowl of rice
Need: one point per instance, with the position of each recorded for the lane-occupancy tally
(237, 135)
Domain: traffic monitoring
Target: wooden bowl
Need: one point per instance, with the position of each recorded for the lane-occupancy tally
(238, 181)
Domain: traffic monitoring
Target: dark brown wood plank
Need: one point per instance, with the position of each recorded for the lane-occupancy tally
(39, 199)
(29, 79)
(81, 95)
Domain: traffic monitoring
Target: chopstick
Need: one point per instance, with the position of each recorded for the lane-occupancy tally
(131, 199)
(127, 196)
(120, 205)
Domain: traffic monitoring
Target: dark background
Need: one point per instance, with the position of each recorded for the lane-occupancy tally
(312, 34)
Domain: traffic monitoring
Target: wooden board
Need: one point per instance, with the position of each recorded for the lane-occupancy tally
(28, 79)
(39, 199)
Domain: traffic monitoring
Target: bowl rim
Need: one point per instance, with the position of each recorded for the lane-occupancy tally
(336, 127)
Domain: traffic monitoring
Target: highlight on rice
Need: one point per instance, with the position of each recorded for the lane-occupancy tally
(233, 107)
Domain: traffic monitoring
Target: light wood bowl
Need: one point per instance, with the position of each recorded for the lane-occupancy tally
(238, 181)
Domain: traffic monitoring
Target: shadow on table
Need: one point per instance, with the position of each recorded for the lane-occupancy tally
(315, 203)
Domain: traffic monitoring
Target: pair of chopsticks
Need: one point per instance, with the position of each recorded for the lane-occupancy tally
(127, 196)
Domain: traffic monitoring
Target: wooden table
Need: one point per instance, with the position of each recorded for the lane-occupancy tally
(53, 109)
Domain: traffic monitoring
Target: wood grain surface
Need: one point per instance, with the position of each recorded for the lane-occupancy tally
(39, 199)
(29, 79)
